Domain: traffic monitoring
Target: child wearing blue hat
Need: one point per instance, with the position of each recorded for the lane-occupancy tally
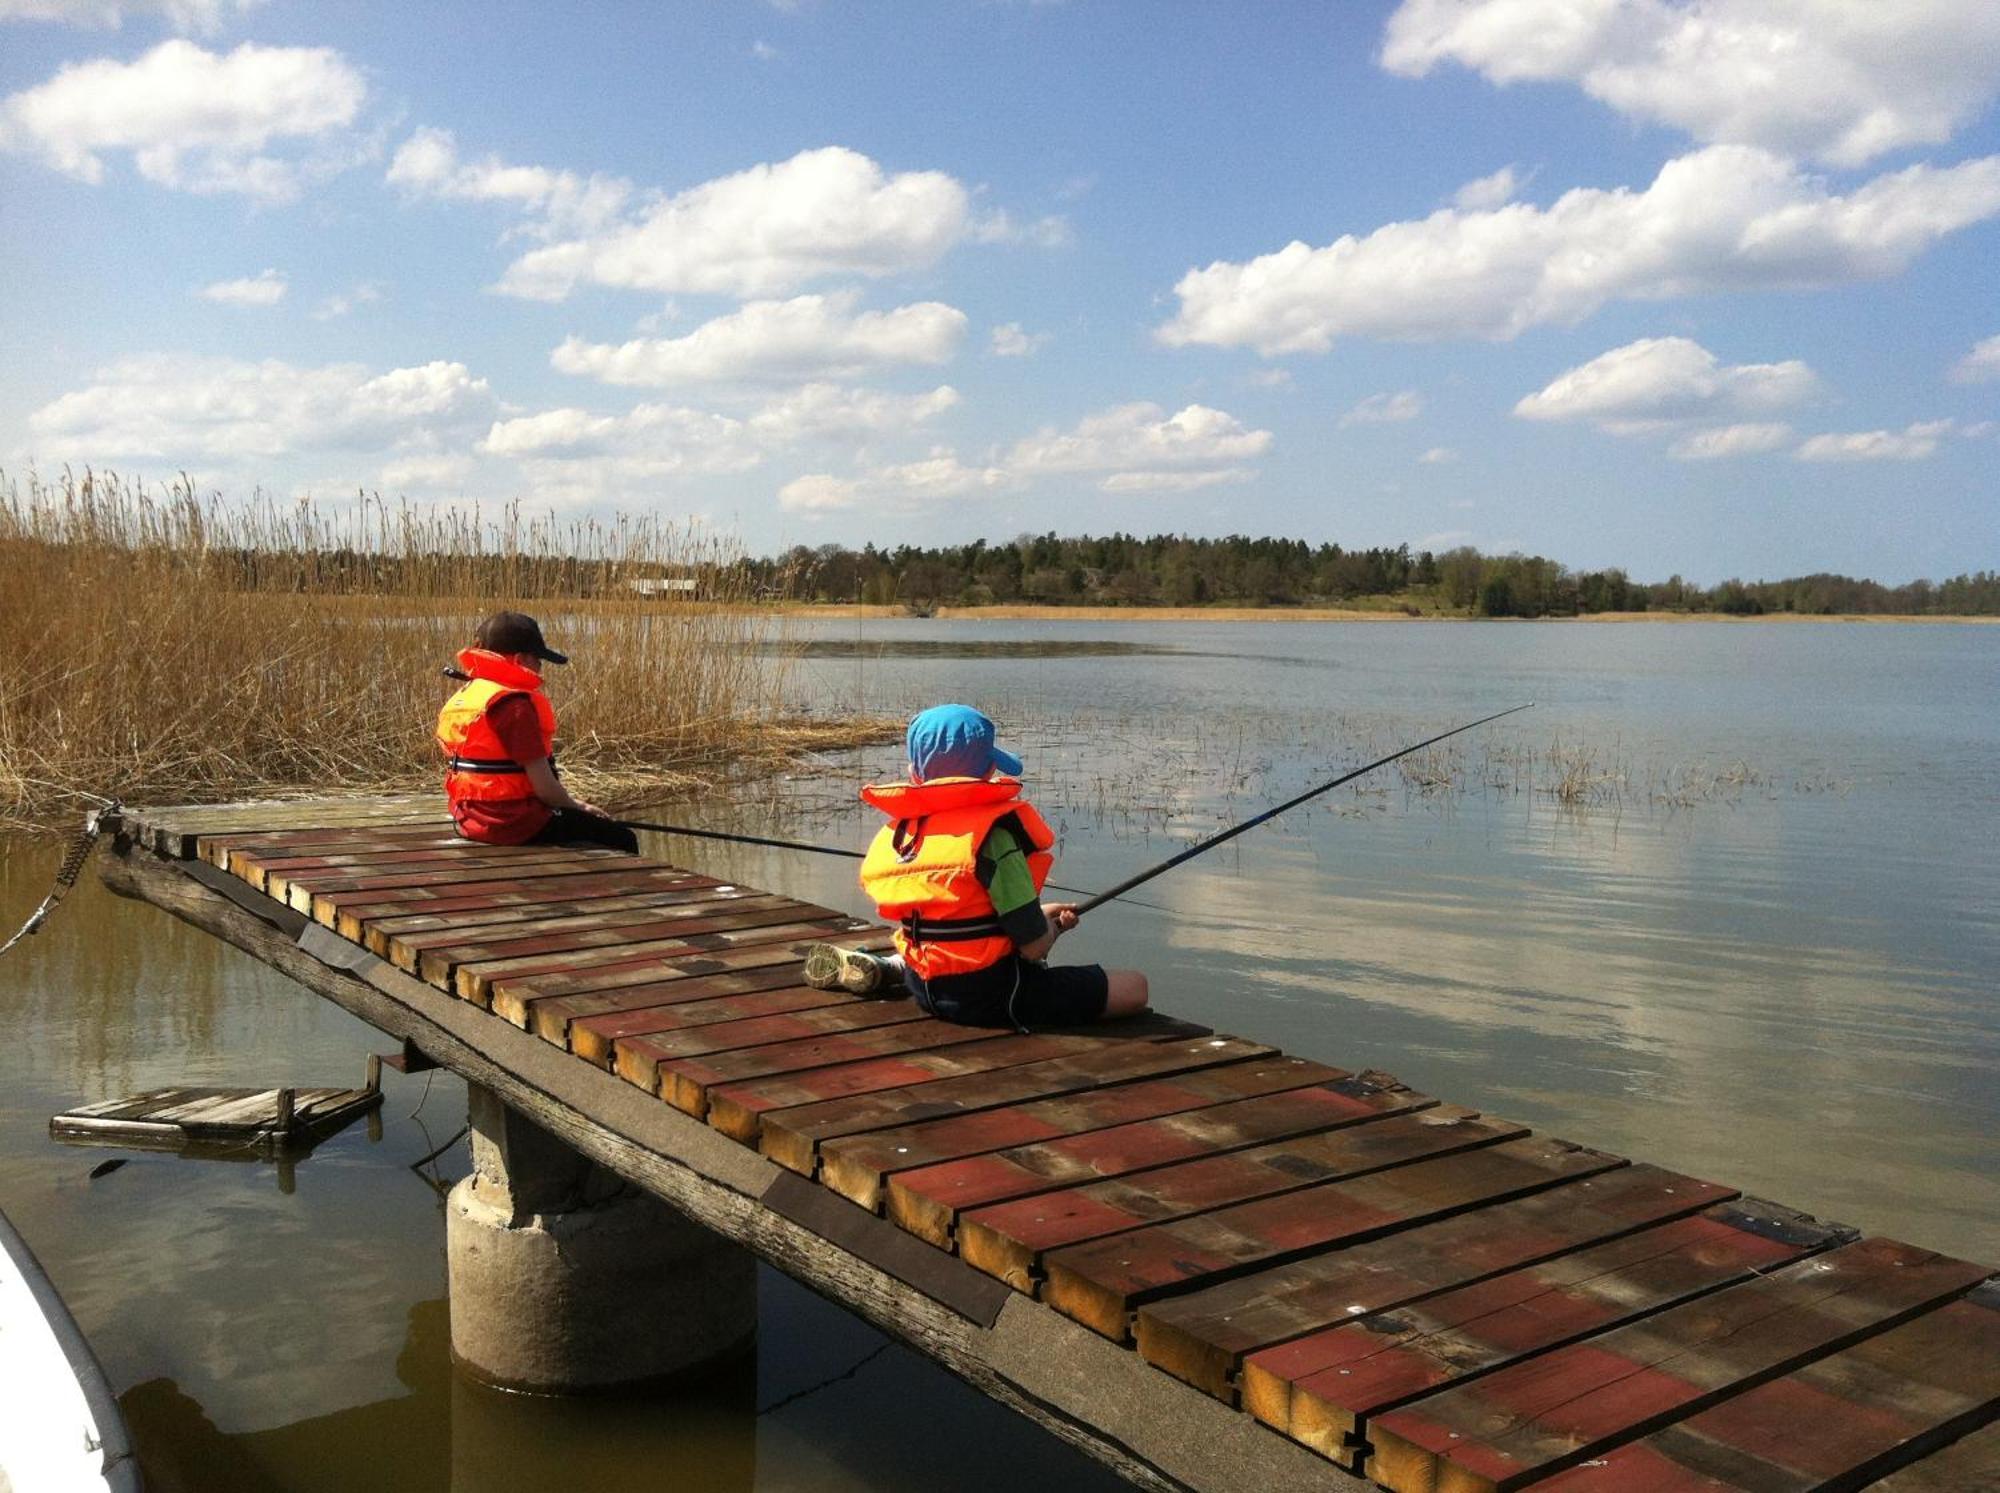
(959, 871)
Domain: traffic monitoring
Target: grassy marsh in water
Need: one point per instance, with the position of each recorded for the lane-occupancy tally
(169, 646)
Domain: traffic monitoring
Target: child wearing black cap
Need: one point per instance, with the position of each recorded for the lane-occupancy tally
(959, 870)
(498, 737)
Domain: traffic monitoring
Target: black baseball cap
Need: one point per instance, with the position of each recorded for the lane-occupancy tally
(517, 632)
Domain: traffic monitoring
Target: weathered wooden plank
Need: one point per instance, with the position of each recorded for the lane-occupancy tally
(1839, 1422)
(592, 1039)
(1969, 1465)
(928, 1200)
(552, 860)
(1524, 1422)
(422, 932)
(1009, 1239)
(1127, 1051)
(1321, 1389)
(139, 1104)
(1202, 1337)
(217, 850)
(321, 904)
(348, 913)
(684, 1082)
(552, 1018)
(177, 833)
(737, 1109)
(258, 866)
(482, 961)
(475, 982)
(519, 992)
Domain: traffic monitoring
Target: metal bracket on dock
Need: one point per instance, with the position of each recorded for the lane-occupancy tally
(409, 1060)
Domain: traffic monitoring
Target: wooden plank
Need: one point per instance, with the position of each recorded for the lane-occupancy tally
(218, 850)
(1009, 1239)
(1321, 1389)
(301, 892)
(592, 1039)
(1101, 1283)
(1839, 1422)
(738, 1109)
(258, 864)
(1531, 1419)
(929, 1200)
(684, 1082)
(638, 1055)
(322, 904)
(589, 943)
(475, 982)
(519, 992)
(348, 913)
(552, 1019)
(1969, 1465)
(416, 934)
(1201, 1338)
(1127, 1052)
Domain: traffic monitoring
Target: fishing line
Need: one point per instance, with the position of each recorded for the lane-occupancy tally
(1291, 803)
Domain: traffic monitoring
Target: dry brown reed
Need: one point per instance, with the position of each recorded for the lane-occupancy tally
(168, 646)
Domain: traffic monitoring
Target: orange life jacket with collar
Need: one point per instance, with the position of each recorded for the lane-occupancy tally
(920, 868)
(477, 767)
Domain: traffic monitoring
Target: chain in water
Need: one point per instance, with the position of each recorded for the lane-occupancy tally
(80, 846)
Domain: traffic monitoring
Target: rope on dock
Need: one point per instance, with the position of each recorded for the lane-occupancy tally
(81, 844)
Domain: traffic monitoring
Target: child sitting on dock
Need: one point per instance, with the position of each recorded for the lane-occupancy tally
(498, 736)
(959, 869)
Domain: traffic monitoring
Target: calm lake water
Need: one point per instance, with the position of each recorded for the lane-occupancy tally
(1758, 942)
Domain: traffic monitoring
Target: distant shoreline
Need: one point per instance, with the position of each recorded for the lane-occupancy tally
(1001, 613)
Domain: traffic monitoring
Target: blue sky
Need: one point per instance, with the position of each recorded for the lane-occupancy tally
(1702, 286)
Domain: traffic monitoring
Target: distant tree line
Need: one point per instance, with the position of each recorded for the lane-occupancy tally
(1174, 570)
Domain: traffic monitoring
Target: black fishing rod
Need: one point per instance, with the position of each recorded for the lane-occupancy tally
(1291, 803)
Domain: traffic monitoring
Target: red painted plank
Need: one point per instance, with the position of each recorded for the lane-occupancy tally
(1202, 1338)
(552, 1017)
(684, 1082)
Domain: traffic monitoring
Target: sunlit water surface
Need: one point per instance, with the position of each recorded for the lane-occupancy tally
(1759, 945)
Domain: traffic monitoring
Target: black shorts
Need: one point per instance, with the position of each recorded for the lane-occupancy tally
(1016, 993)
(568, 827)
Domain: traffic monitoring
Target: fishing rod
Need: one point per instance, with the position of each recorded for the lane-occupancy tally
(1291, 803)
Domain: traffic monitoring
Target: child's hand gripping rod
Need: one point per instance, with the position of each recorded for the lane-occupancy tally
(1291, 803)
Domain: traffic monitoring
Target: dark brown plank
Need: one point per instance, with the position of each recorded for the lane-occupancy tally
(552, 1018)
(348, 913)
(592, 943)
(475, 982)
(261, 866)
(592, 1040)
(684, 1082)
(929, 1200)
(311, 900)
(737, 1109)
(1201, 1338)
(518, 994)
(1101, 1283)
(1839, 1422)
(376, 933)
(1531, 1419)
(1321, 1389)
(1125, 1052)
(1009, 1240)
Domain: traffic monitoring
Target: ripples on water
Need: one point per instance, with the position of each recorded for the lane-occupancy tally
(1783, 982)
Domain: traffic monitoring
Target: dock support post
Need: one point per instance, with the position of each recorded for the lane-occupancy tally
(564, 1278)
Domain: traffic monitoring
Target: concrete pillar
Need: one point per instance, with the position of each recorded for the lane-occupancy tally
(564, 1277)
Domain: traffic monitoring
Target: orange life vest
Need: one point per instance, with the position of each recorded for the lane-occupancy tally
(477, 767)
(920, 868)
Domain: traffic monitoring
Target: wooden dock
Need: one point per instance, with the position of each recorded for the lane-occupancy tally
(204, 1120)
(1209, 1264)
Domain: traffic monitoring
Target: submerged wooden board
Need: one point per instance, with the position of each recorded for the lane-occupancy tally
(180, 1118)
(1362, 1267)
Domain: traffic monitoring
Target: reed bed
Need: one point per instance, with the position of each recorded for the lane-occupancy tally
(168, 646)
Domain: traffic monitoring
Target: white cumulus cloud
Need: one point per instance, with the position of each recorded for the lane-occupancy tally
(1912, 443)
(1657, 382)
(1009, 341)
(1386, 409)
(1135, 446)
(761, 232)
(1842, 81)
(1728, 218)
(199, 411)
(807, 337)
(897, 487)
(1747, 438)
(191, 119)
(828, 411)
(1982, 363)
(1487, 192)
(266, 289)
(428, 165)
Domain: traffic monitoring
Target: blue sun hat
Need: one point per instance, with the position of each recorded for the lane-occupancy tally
(955, 741)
